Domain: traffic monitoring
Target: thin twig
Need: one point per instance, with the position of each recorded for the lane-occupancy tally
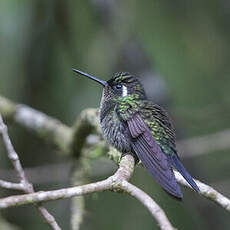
(10, 185)
(13, 156)
(207, 192)
(24, 183)
(48, 217)
(149, 203)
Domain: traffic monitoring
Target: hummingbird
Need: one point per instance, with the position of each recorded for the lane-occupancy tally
(134, 125)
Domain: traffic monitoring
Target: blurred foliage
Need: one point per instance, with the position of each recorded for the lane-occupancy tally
(180, 50)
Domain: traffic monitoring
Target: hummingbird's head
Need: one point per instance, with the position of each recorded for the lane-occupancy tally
(123, 85)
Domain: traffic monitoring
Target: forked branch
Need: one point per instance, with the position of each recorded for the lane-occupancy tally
(116, 183)
(24, 184)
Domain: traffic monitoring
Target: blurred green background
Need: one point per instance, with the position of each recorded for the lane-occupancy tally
(179, 49)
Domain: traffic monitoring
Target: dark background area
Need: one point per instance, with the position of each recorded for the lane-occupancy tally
(179, 49)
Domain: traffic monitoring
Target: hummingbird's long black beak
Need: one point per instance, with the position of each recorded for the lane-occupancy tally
(104, 83)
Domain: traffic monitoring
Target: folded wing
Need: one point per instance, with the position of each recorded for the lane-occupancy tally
(151, 155)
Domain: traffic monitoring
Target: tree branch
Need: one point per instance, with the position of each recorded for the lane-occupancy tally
(24, 183)
(148, 202)
(85, 124)
(116, 183)
(78, 177)
(10, 185)
(207, 192)
(46, 127)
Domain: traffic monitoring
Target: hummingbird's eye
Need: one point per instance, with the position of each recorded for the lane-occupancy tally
(118, 86)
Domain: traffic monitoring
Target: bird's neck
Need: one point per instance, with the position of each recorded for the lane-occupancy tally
(121, 104)
(107, 106)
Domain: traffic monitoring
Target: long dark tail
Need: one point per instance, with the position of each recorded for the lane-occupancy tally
(175, 161)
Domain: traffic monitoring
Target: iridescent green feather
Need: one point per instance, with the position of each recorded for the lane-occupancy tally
(155, 118)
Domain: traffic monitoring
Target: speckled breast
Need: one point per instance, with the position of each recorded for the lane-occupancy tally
(115, 132)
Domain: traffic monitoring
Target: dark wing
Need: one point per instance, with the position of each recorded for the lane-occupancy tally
(151, 155)
(166, 133)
